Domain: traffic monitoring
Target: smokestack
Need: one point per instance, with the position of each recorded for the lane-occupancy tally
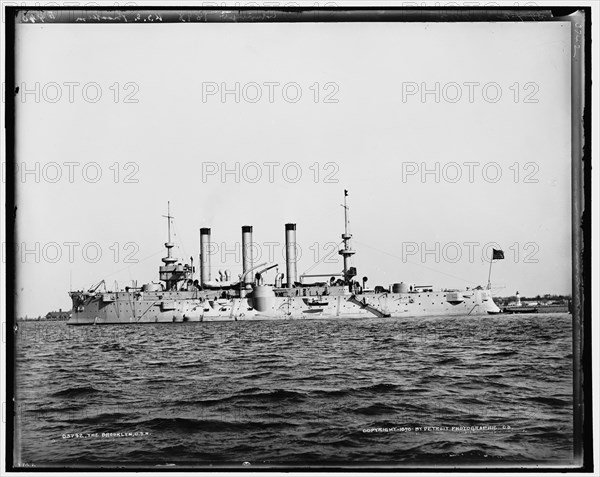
(290, 254)
(247, 252)
(204, 255)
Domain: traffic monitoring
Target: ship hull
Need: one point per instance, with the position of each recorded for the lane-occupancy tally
(180, 307)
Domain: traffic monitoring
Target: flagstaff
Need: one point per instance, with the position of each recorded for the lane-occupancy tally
(496, 255)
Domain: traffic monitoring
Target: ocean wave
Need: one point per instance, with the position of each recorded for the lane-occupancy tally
(300, 393)
(550, 401)
(189, 425)
(76, 391)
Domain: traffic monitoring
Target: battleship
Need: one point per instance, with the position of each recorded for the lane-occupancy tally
(260, 292)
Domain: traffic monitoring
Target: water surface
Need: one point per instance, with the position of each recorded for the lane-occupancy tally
(490, 391)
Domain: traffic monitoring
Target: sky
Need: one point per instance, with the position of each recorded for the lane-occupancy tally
(452, 139)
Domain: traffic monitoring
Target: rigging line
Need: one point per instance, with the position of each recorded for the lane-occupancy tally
(180, 245)
(317, 263)
(416, 263)
(133, 264)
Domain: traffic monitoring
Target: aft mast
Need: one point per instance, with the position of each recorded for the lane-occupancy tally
(347, 251)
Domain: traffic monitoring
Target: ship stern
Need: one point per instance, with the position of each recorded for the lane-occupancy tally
(488, 304)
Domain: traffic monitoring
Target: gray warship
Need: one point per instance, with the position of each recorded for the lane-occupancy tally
(257, 294)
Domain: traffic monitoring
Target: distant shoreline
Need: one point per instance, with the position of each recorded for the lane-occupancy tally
(553, 309)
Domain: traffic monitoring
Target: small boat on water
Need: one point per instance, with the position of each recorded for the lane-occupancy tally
(510, 310)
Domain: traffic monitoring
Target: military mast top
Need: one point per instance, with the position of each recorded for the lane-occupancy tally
(169, 245)
(172, 272)
(347, 251)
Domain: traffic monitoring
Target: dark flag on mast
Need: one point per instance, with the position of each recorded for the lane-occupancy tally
(345, 193)
(497, 254)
